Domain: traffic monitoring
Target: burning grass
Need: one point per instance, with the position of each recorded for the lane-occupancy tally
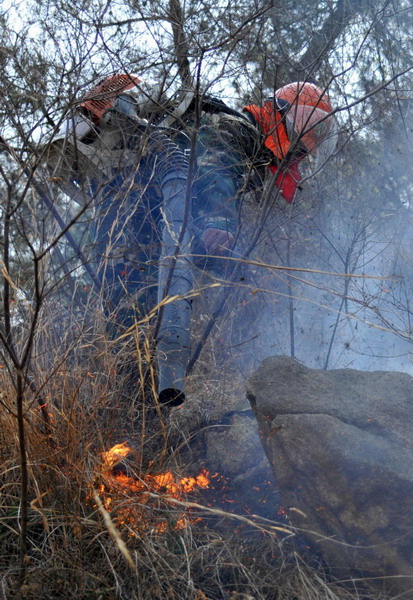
(142, 502)
(109, 520)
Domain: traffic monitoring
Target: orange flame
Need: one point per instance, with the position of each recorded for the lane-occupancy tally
(127, 497)
(115, 455)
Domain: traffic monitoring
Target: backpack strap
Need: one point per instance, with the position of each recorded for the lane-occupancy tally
(179, 111)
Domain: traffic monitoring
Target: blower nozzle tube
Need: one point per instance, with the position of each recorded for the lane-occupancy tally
(174, 281)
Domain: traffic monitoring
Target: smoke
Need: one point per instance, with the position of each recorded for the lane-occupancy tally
(351, 232)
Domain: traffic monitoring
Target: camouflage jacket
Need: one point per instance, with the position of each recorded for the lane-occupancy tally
(227, 147)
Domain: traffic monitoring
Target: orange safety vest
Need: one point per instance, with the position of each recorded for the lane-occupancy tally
(271, 124)
(270, 121)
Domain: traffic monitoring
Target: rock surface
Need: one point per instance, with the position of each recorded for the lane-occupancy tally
(341, 446)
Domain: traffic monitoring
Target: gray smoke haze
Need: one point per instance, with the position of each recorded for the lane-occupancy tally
(355, 220)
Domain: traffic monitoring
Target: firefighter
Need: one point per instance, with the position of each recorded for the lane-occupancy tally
(130, 152)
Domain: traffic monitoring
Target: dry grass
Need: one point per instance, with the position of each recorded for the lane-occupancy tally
(90, 536)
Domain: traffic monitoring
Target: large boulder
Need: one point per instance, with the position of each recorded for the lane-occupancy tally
(340, 443)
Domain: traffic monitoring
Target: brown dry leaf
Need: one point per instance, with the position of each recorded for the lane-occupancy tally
(157, 592)
(76, 529)
(30, 591)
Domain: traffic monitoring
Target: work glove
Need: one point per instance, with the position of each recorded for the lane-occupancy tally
(217, 241)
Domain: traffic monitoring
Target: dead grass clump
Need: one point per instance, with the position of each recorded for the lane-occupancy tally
(124, 530)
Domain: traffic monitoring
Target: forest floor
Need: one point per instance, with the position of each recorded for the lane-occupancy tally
(125, 512)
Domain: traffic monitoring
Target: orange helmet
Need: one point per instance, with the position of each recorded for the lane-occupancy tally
(307, 117)
(308, 94)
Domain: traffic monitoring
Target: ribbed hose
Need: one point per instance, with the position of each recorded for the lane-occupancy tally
(170, 158)
(175, 272)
